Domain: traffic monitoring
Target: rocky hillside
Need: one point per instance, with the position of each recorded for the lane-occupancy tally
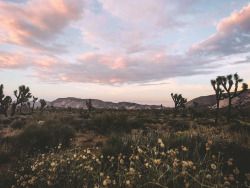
(81, 103)
(210, 101)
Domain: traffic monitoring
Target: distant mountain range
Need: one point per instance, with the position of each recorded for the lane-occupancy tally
(81, 103)
(210, 101)
(203, 102)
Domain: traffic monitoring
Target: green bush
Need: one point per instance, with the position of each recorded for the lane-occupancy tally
(118, 143)
(109, 122)
(35, 137)
(179, 125)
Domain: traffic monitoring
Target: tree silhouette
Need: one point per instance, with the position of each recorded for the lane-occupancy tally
(227, 83)
(5, 102)
(22, 95)
(90, 106)
(218, 94)
(43, 103)
(33, 105)
(1, 97)
(179, 102)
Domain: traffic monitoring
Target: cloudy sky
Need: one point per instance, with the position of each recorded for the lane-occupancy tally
(122, 50)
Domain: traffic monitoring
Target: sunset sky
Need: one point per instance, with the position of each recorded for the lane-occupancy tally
(122, 50)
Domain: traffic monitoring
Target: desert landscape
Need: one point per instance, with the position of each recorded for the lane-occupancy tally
(124, 94)
(73, 142)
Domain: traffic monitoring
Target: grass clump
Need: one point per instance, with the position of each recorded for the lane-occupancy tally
(41, 137)
(146, 166)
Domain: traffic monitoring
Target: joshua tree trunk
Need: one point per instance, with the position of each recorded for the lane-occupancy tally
(229, 109)
(217, 112)
(13, 109)
(21, 108)
(175, 111)
(32, 110)
(5, 113)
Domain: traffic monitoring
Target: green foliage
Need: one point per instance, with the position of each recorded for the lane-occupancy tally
(39, 137)
(179, 125)
(150, 162)
(118, 143)
(110, 122)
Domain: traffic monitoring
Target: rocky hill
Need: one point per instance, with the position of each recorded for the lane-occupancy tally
(81, 103)
(242, 100)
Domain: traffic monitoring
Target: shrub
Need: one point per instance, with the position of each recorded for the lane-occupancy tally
(109, 122)
(179, 125)
(18, 124)
(34, 137)
(146, 166)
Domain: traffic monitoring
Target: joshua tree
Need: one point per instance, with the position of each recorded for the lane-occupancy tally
(5, 104)
(33, 105)
(43, 103)
(179, 102)
(22, 95)
(89, 105)
(227, 83)
(219, 95)
(4, 101)
(1, 97)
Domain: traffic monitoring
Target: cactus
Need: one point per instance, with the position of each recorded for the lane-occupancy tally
(22, 95)
(227, 83)
(179, 102)
(219, 95)
(43, 103)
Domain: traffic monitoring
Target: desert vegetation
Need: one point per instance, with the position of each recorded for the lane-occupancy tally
(165, 147)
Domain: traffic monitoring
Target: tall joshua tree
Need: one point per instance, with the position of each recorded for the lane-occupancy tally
(22, 95)
(33, 105)
(4, 101)
(227, 83)
(218, 94)
(179, 102)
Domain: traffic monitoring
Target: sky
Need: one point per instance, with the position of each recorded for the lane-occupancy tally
(122, 50)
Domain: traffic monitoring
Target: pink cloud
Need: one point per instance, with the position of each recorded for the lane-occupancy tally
(232, 36)
(36, 23)
(99, 68)
(14, 61)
